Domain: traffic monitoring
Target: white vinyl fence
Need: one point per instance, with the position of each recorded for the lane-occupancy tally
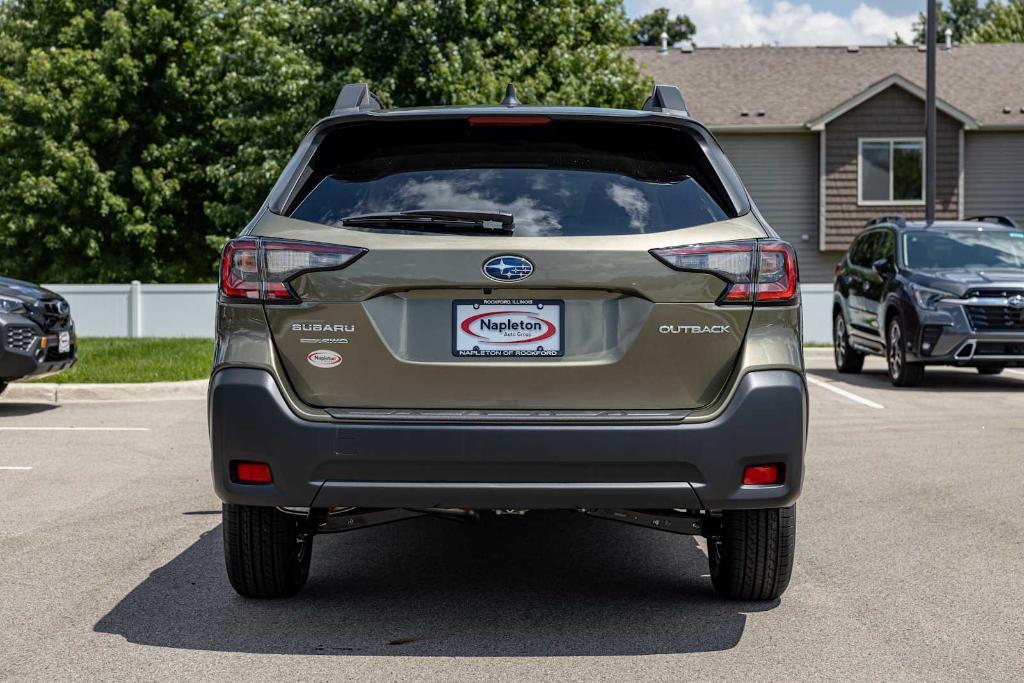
(138, 310)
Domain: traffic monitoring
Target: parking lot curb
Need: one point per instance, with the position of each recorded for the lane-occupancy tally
(71, 393)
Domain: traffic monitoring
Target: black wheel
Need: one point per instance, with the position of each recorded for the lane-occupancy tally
(752, 558)
(3, 386)
(847, 360)
(265, 555)
(990, 369)
(902, 372)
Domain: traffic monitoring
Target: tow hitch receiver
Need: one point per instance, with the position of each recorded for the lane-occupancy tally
(672, 521)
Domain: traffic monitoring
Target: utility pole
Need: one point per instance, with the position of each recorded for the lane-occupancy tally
(929, 148)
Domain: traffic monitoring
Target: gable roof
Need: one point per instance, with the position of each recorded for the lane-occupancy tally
(968, 121)
(797, 88)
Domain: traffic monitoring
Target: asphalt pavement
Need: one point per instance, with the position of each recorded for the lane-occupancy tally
(910, 562)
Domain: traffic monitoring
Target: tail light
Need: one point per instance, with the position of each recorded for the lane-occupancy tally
(761, 271)
(260, 270)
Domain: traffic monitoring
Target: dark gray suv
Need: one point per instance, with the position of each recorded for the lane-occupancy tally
(37, 334)
(948, 293)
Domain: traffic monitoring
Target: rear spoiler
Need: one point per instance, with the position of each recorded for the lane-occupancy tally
(358, 97)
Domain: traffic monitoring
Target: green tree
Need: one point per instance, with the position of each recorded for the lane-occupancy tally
(467, 51)
(135, 133)
(1004, 25)
(963, 16)
(647, 29)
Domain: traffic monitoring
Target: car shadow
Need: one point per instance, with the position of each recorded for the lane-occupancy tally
(935, 378)
(22, 409)
(545, 584)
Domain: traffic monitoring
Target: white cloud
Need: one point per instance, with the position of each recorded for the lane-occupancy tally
(738, 22)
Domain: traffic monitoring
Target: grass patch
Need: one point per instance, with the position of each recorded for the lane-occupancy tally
(817, 345)
(118, 359)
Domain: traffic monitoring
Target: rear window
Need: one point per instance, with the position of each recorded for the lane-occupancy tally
(566, 178)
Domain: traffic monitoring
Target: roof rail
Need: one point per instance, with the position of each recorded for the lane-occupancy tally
(998, 220)
(895, 218)
(356, 96)
(666, 98)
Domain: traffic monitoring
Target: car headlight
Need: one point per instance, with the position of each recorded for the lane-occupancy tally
(928, 298)
(11, 305)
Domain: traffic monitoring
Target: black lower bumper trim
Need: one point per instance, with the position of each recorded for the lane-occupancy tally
(534, 495)
(539, 466)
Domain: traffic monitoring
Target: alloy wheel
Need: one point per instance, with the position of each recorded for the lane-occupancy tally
(839, 343)
(895, 351)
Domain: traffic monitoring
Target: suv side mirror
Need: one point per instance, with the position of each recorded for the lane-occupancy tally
(883, 267)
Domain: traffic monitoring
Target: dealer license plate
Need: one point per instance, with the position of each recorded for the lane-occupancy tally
(503, 328)
(64, 343)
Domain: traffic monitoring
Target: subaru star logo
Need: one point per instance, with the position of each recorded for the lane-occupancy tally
(1016, 301)
(508, 268)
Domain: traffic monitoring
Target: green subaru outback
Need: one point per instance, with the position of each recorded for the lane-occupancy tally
(459, 311)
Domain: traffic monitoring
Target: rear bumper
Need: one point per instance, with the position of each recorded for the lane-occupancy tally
(686, 465)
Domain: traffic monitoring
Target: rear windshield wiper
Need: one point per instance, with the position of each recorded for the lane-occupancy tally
(441, 220)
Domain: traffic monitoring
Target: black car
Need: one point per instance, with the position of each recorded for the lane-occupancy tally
(945, 293)
(37, 334)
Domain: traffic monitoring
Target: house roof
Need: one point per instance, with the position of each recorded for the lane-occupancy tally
(799, 87)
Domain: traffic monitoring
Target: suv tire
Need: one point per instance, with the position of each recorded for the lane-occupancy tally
(902, 372)
(265, 554)
(847, 359)
(752, 557)
(982, 369)
(3, 387)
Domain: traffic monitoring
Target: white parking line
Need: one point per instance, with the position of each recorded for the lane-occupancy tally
(1015, 372)
(844, 393)
(74, 429)
(14, 468)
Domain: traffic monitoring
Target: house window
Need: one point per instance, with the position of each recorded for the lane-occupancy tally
(891, 171)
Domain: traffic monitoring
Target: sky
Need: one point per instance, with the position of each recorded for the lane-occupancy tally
(791, 22)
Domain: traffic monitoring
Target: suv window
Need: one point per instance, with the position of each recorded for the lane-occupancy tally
(885, 247)
(863, 249)
(564, 178)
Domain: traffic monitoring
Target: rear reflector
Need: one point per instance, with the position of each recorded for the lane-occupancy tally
(253, 473)
(509, 120)
(763, 271)
(761, 475)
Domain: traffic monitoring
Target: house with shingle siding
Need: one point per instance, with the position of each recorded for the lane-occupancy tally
(826, 138)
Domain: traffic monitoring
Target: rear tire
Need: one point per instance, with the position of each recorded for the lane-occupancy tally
(848, 361)
(990, 369)
(752, 558)
(3, 387)
(902, 373)
(264, 553)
